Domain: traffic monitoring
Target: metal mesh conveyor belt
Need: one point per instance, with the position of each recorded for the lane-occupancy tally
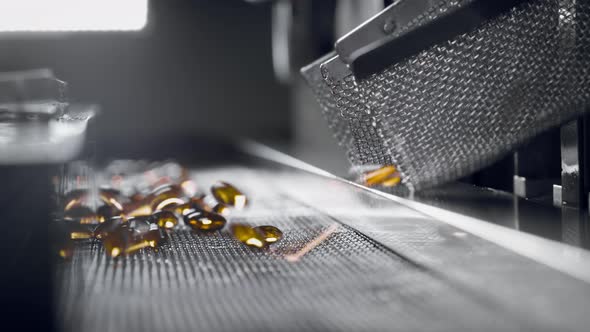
(462, 104)
(348, 282)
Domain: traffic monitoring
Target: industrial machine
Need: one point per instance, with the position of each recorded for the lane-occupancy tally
(436, 180)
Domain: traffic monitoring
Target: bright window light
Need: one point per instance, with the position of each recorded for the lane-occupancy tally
(72, 15)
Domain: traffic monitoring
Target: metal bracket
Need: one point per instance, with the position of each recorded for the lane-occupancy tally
(374, 46)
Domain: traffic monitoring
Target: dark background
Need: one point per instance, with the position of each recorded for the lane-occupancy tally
(198, 68)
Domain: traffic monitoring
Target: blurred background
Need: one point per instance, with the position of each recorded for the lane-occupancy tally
(196, 67)
(225, 68)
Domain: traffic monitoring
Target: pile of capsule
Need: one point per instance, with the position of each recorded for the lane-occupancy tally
(126, 224)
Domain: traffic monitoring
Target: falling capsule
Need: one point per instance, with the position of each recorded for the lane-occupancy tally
(75, 198)
(386, 176)
(392, 182)
(204, 221)
(165, 196)
(81, 215)
(106, 212)
(111, 197)
(248, 235)
(66, 249)
(164, 219)
(229, 195)
(107, 227)
(271, 234)
(61, 239)
(377, 176)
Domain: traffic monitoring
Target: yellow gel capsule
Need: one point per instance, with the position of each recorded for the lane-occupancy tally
(271, 234)
(166, 196)
(164, 219)
(229, 195)
(221, 209)
(377, 176)
(66, 249)
(248, 235)
(75, 198)
(153, 236)
(137, 209)
(107, 227)
(106, 212)
(204, 221)
(79, 231)
(115, 243)
(392, 182)
(81, 215)
(182, 209)
(111, 197)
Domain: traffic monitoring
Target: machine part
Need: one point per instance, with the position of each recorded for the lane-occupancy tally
(31, 95)
(462, 104)
(350, 259)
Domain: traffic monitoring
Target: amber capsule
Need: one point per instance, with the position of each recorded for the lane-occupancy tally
(137, 209)
(79, 231)
(153, 236)
(204, 221)
(164, 219)
(221, 209)
(386, 176)
(271, 233)
(106, 212)
(165, 196)
(66, 249)
(111, 197)
(116, 242)
(203, 202)
(81, 215)
(229, 195)
(392, 182)
(107, 227)
(377, 176)
(182, 209)
(75, 198)
(248, 235)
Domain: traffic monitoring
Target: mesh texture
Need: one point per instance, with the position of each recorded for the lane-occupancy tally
(463, 104)
(199, 282)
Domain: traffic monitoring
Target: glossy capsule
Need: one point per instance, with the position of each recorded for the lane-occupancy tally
(81, 214)
(221, 209)
(229, 195)
(75, 198)
(143, 230)
(165, 196)
(116, 242)
(79, 231)
(387, 176)
(137, 209)
(248, 235)
(271, 234)
(106, 212)
(204, 221)
(66, 249)
(183, 209)
(112, 197)
(164, 219)
(107, 227)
